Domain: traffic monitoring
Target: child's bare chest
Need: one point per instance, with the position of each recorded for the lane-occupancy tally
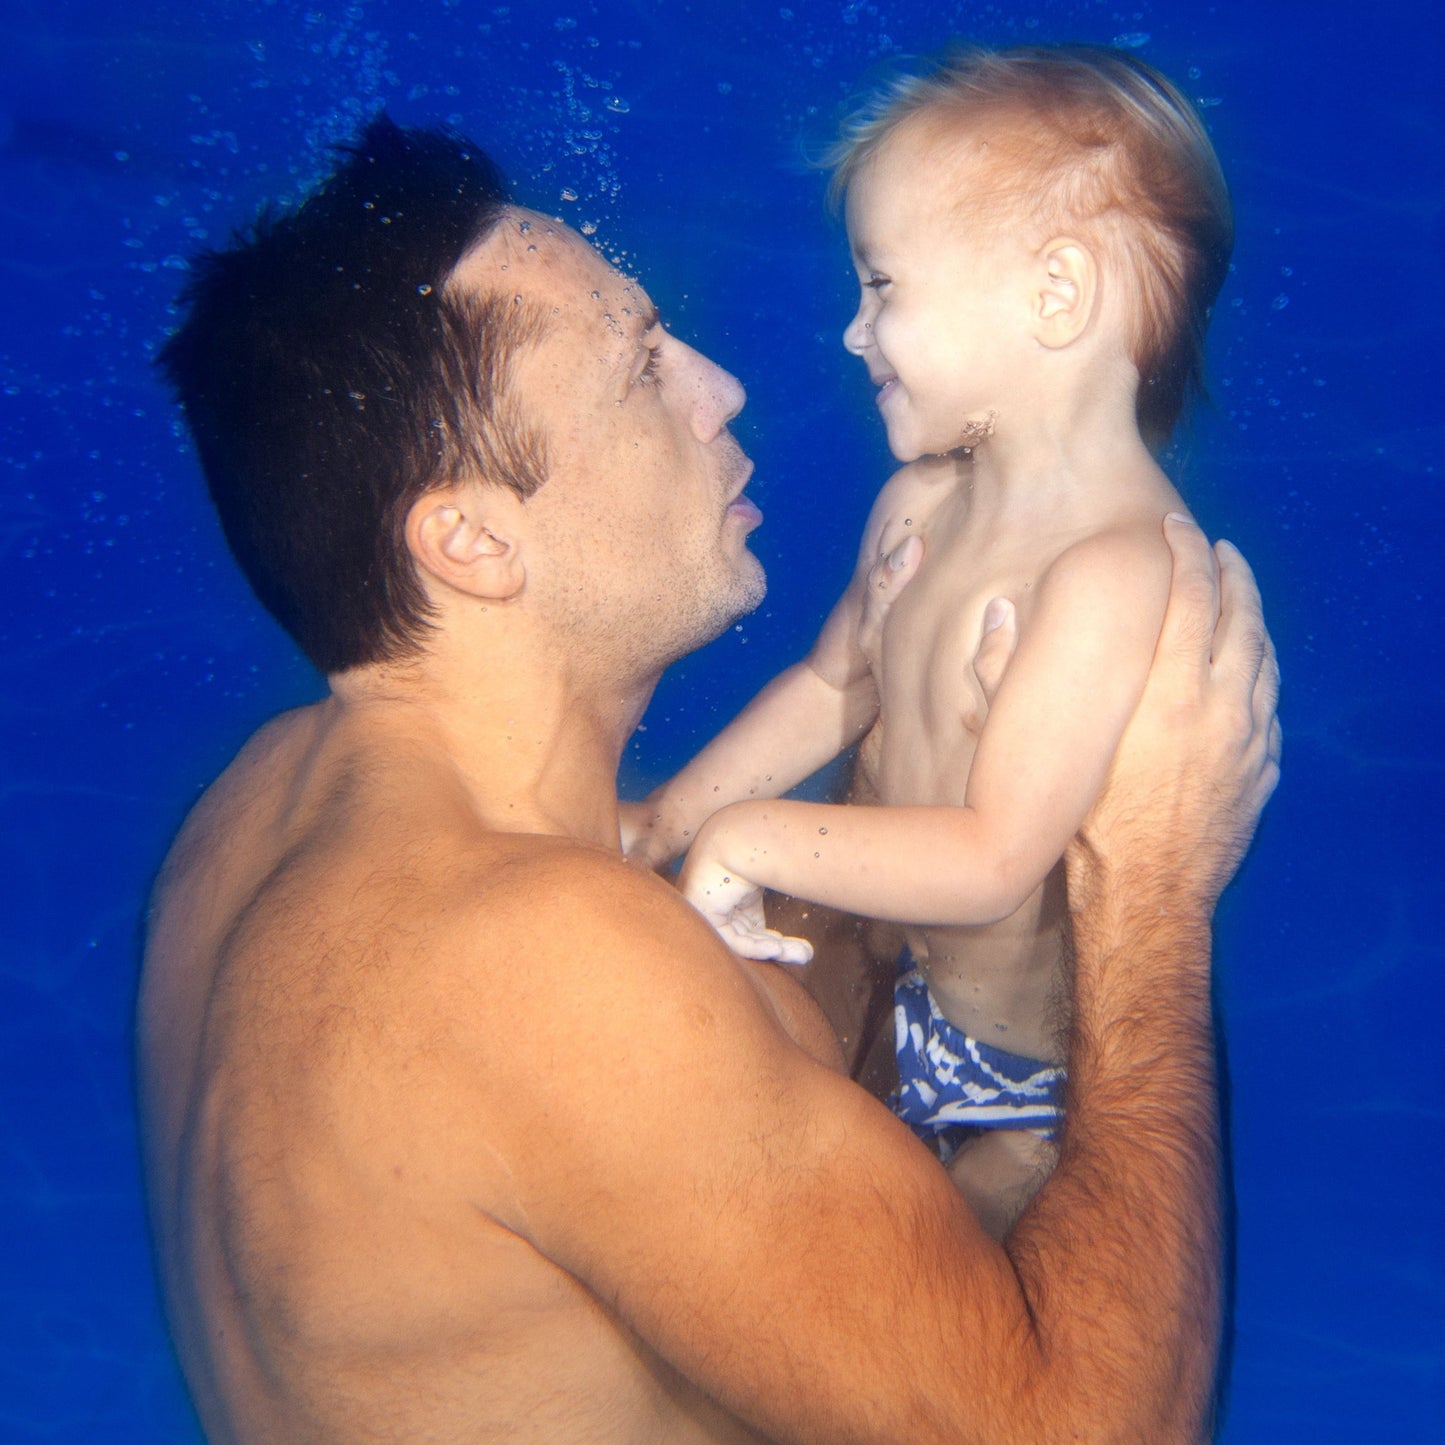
(933, 707)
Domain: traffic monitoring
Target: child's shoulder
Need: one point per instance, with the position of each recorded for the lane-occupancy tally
(1127, 560)
(933, 477)
(907, 498)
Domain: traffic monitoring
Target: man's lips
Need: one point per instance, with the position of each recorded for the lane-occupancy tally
(741, 505)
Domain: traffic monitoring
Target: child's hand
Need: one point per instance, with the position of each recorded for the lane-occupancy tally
(636, 821)
(734, 906)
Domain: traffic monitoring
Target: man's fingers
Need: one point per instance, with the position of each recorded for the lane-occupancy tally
(1000, 636)
(889, 575)
(1276, 749)
(1241, 643)
(1266, 685)
(1193, 610)
(892, 572)
(1244, 654)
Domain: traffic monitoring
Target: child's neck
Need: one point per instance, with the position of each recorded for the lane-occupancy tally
(1084, 454)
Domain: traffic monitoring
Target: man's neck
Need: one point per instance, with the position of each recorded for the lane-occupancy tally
(535, 749)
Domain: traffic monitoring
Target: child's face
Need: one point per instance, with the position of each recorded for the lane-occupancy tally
(942, 320)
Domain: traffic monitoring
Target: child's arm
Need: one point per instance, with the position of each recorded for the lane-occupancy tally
(797, 723)
(800, 721)
(1041, 761)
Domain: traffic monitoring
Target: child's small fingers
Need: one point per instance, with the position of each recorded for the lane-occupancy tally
(792, 950)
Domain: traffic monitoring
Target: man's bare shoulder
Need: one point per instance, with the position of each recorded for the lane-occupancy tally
(584, 920)
(251, 776)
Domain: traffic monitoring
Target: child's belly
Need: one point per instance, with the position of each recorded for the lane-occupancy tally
(1001, 982)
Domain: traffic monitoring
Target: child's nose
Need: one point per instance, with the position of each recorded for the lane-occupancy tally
(858, 333)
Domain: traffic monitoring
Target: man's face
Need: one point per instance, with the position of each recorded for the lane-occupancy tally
(639, 532)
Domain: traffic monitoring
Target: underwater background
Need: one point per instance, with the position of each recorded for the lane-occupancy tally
(135, 662)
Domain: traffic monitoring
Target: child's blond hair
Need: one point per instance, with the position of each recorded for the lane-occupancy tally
(1094, 142)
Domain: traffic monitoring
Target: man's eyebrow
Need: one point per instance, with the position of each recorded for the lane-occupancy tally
(648, 317)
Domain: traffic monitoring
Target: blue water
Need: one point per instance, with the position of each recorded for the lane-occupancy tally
(136, 662)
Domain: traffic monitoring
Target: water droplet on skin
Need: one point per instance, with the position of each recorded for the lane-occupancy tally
(822, 830)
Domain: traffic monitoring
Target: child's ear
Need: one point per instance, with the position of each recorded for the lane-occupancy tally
(1067, 291)
(469, 537)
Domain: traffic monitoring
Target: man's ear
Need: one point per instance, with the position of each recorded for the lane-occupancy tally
(469, 537)
(1067, 291)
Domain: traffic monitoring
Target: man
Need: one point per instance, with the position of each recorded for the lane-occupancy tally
(457, 1127)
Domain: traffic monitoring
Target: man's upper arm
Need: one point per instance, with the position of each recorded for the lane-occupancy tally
(762, 1223)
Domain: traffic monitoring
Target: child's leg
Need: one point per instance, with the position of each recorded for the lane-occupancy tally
(999, 1171)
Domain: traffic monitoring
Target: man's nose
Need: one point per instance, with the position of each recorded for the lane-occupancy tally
(720, 397)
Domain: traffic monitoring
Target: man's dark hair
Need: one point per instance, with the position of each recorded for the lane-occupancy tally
(331, 376)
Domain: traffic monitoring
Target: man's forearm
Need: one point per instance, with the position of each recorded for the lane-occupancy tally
(1119, 1254)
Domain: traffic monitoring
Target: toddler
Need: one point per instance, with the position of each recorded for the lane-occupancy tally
(1038, 236)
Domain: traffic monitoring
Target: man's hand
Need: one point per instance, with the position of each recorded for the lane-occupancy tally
(890, 574)
(1201, 755)
(996, 646)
